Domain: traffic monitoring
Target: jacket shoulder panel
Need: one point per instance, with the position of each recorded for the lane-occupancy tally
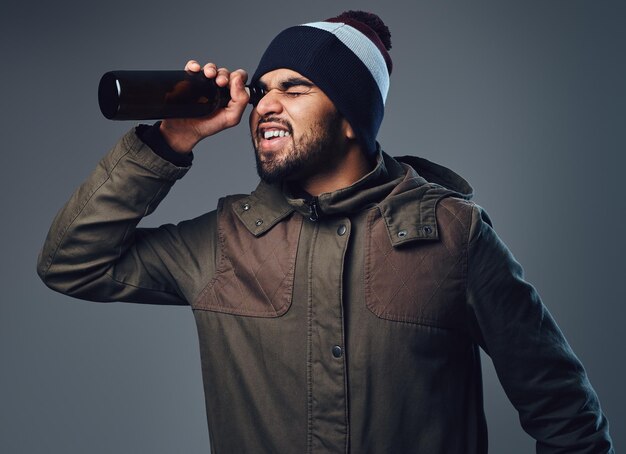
(420, 282)
(255, 274)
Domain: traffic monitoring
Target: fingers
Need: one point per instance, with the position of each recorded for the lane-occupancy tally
(222, 75)
(238, 80)
(235, 80)
(210, 71)
(238, 97)
(231, 114)
(193, 66)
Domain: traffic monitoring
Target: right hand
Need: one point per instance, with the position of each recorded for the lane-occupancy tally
(182, 134)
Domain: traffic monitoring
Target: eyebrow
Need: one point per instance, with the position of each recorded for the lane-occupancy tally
(289, 83)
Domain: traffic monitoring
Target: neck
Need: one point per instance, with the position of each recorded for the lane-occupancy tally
(353, 166)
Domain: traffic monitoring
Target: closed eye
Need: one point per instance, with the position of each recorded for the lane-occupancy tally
(292, 87)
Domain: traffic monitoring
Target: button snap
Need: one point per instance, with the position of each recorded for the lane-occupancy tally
(402, 233)
(245, 206)
(428, 229)
(258, 222)
(337, 351)
(341, 231)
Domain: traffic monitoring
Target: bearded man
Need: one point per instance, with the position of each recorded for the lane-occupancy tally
(340, 306)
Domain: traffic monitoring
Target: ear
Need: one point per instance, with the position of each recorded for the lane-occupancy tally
(348, 132)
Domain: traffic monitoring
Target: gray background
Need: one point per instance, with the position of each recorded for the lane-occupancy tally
(525, 99)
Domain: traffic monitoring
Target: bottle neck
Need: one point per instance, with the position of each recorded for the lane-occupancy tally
(255, 92)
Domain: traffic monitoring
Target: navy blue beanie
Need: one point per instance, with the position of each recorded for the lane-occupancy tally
(346, 57)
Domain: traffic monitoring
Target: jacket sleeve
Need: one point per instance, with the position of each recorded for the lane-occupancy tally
(539, 372)
(95, 251)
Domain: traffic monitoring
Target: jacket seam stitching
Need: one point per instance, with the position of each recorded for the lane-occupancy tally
(343, 341)
(467, 259)
(309, 342)
(108, 273)
(418, 320)
(80, 210)
(129, 225)
(369, 292)
(455, 215)
(224, 261)
(209, 287)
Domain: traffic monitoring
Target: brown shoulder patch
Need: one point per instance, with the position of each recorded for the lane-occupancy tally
(254, 275)
(420, 282)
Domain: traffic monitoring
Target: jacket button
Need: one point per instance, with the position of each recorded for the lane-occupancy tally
(258, 222)
(428, 229)
(402, 233)
(245, 206)
(337, 351)
(341, 231)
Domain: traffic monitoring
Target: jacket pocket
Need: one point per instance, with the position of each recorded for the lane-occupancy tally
(421, 282)
(254, 275)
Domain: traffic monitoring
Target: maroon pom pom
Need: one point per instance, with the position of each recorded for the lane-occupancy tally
(372, 21)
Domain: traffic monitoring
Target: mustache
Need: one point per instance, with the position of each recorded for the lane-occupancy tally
(270, 119)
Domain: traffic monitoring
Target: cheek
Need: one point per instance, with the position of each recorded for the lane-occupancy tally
(301, 119)
(300, 113)
(305, 115)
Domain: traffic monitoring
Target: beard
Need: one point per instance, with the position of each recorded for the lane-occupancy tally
(315, 150)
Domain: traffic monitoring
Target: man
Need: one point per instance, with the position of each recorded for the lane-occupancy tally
(341, 305)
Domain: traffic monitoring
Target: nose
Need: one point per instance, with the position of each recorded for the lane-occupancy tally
(269, 104)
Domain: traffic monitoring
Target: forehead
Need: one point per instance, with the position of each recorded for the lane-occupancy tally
(275, 77)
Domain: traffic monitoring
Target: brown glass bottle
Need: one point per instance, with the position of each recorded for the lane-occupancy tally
(154, 95)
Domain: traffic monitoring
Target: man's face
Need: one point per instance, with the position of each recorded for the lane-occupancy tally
(296, 130)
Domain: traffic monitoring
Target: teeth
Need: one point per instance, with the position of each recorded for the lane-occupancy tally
(275, 133)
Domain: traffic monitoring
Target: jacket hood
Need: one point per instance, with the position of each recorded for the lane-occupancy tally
(410, 210)
(439, 175)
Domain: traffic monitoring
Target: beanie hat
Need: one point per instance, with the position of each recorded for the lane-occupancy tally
(346, 57)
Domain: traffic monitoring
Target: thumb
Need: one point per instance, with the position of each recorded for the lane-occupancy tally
(238, 94)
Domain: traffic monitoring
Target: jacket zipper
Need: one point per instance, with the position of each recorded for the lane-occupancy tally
(313, 210)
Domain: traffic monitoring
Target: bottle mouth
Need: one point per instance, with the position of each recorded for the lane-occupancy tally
(255, 93)
(109, 92)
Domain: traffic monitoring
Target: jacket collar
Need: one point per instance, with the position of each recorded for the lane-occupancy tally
(406, 191)
(409, 211)
(367, 191)
(263, 209)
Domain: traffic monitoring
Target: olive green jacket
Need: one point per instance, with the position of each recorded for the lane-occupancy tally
(347, 323)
